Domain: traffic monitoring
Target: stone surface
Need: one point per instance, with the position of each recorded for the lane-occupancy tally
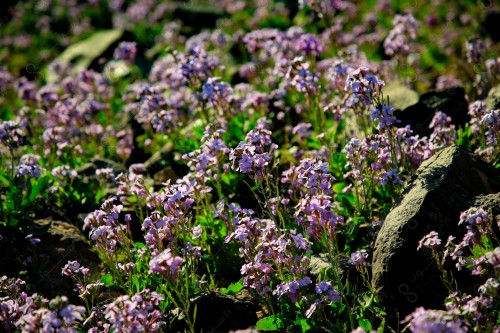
(442, 187)
(81, 55)
(400, 96)
(41, 263)
(490, 203)
(490, 25)
(216, 312)
(419, 116)
(493, 99)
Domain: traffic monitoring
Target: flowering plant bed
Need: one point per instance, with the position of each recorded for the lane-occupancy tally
(249, 166)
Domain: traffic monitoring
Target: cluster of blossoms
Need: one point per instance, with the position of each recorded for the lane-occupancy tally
(326, 292)
(135, 313)
(28, 165)
(197, 66)
(268, 250)
(491, 121)
(126, 51)
(219, 94)
(358, 259)
(104, 225)
(169, 228)
(371, 156)
(206, 162)
(403, 34)
(474, 50)
(74, 267)
(272, 44)
(301, 78)
(443, 133)
(365, 88)
(32, 313)
(431, 240)
(422, 321)
(11, 134)
(253, 157)
(263, 247)
(383, 114)
(310, 177)
(165, 264)
(477, 222)
(474, 309)
(464, 310)
(154, 110)
(63, 172)
(485, 122)
(316, 214)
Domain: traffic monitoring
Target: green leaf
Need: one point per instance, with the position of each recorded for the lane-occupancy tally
(304, 325)
(107, 280)
(337, 188)
(136, 283)
(365, 324)
(4, 180)
(233, 288)
(270, 323)
(365, 299)
(139, 245)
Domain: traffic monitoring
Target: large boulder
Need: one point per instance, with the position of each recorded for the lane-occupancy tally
(440, 190)
(216, 312)
(400, 96)
(493, 99)
(419, 116)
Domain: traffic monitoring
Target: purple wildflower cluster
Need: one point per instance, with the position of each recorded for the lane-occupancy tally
(126, 51)
(33, 313)
(485, 124)
(137, 313)
(464, 312)
(301, 78)
(11, 134)
(208, 161)
(316, 215)
(197, 66)
(165, 264)
(358, 259)
(28, 166)
(365, 88)
(104, 226)
(401, 37)
(371, 156)
(422, 321)
(272, 44)
(310, 177)
(254, 156)
(268, 252)
(443, 131)
(219, 94)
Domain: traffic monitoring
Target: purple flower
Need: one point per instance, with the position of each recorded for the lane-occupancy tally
(126, 51)
(73, 267)
(431, 240)
(424, 321)
(358, 259)
(403, 34)
(33, 241)
(165, 264)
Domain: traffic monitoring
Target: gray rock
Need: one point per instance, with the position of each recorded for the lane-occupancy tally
(83, 53)
(493, 99)
(441, 188)
(490, 203)
(400, 96)
(419, 116)
(219, 313)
